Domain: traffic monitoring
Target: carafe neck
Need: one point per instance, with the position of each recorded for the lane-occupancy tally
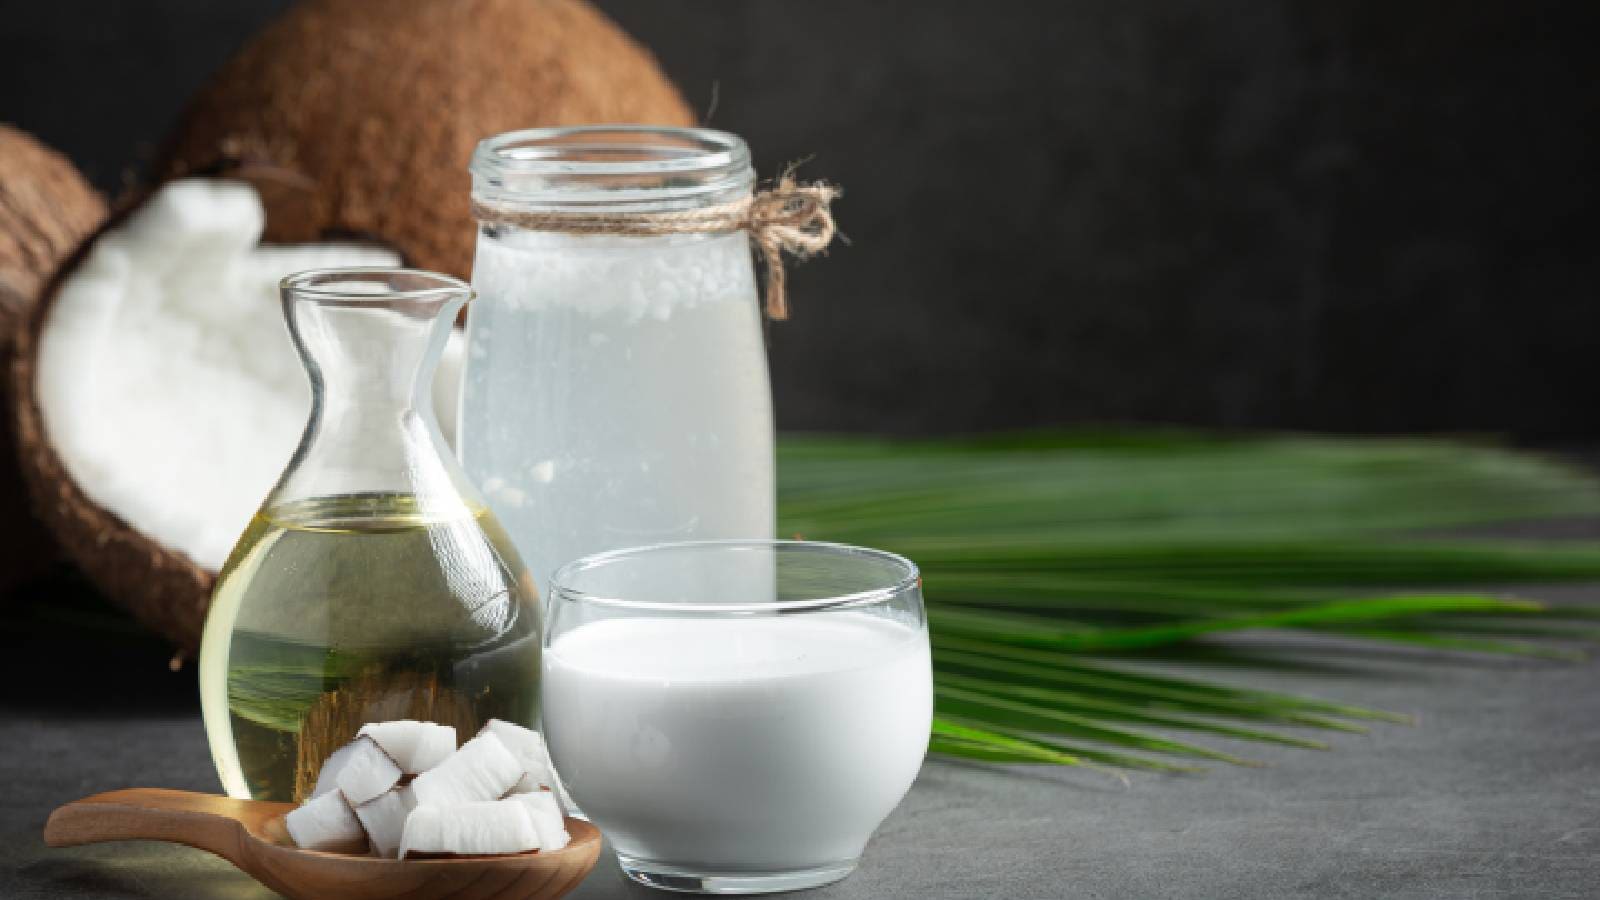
(370, 341)
(368, 363)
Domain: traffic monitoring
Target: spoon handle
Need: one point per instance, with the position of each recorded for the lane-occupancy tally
(204, 821)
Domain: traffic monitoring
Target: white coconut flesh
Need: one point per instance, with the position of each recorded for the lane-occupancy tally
(384, 820)
(545, 813)
(328, 775)
(483, 769)
(368, 774)
(326, 823)
(414, 746)
(461, 805)
(470, 829)
(165, 375)
(529, 749)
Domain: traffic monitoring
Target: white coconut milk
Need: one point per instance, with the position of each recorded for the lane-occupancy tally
(616, 392)
(770, 743)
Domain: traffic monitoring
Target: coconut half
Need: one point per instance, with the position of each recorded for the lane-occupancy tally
(159, 397)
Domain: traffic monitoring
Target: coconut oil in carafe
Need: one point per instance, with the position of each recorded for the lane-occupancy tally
(373, 584)
(332, 616)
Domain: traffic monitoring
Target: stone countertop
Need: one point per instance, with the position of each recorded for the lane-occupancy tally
(1495, 792)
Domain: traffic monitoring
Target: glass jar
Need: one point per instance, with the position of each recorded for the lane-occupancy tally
(373, 584)
(616, 389)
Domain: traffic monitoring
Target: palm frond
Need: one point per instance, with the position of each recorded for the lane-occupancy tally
(1041, 551)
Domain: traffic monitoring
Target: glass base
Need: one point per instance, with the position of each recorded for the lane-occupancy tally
(664, 877)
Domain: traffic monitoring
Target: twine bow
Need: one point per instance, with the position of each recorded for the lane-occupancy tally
(789, 217)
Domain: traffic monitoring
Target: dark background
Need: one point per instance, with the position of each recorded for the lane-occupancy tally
(1356, 216)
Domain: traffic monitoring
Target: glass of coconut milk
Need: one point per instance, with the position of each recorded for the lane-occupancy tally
(737, 716)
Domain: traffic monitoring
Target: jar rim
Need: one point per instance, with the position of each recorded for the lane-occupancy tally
(658, 148)
(611, 163)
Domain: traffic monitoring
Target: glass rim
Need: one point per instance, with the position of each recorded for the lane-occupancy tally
(309, 284)
(910, 578)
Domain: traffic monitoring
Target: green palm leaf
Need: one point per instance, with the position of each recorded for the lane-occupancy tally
(1041, 551)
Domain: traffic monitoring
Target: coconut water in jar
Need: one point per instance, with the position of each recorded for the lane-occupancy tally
(616, 389)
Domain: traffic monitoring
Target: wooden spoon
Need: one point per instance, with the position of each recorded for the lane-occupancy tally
(250, 834)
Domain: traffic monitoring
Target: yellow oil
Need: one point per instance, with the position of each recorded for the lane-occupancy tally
(343, 610)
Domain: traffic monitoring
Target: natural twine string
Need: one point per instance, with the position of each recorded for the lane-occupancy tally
(788, 217)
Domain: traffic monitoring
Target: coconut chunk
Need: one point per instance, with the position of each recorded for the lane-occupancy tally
(384, 820)
(414, 746)
(470, 829)
(545, 813)
(368, 773)
(483, 769)
(328, 775)
(326, 823)
(528, 747)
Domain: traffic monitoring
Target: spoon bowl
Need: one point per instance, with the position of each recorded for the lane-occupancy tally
(251, 835)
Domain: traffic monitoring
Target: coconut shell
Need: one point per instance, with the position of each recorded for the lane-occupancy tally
(163, 589)
(46, 210)
(377, 105)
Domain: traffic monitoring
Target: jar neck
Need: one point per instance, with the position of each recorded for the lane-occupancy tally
(612, 169)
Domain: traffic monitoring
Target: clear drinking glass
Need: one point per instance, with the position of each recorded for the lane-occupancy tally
(737, 716)
(373, 583)
(615, 389)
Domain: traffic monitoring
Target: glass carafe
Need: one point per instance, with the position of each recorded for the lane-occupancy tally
(616, 389)
(373, 583)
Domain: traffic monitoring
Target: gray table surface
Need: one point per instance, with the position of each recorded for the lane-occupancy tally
(1495, 792)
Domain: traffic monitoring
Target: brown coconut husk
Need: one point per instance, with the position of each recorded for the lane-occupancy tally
(46, 210)
(350, 117)
(378, 104)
